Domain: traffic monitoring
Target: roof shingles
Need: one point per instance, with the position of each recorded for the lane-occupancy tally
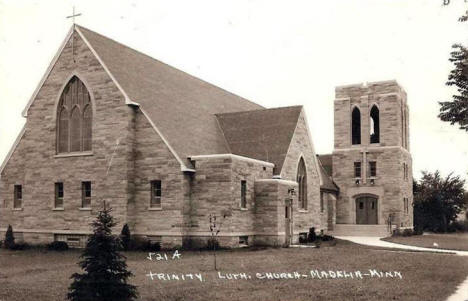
(181, 106)
(261, 134)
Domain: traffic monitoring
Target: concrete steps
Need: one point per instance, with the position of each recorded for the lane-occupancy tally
(360, 230)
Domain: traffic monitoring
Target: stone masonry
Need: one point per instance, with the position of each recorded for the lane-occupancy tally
(129, 152)
(391, 185)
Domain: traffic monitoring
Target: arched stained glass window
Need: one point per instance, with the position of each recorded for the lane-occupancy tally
(302, 183)
(63, 120)
(87, 122)
(74, 118)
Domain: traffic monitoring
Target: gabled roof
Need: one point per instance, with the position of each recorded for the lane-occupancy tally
(327, 163)
(180, 106)
(326, 172)
(261, 134)
(192, 117)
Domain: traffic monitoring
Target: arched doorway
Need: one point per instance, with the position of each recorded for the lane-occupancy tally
(366, 210)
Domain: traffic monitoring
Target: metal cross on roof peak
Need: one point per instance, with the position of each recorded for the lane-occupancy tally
(73, 34)
(73, 15)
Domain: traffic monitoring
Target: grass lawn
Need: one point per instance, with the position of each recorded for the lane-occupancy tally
(41, 275)
(456, 241)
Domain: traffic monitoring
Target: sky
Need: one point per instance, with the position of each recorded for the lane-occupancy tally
(276, 53)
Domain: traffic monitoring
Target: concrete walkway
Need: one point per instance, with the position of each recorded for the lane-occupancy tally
(461, 294)
(375, 241)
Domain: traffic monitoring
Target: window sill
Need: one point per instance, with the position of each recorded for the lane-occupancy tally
(58, 209)
(243, 209)
(85, 209)
(18, 209)
(303, 210)
(74, 154)
(154, 209)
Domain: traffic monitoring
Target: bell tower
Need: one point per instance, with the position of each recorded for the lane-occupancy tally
(372, 164)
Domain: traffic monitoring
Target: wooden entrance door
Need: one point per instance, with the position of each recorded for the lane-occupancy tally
(366, 210)
(288, 222)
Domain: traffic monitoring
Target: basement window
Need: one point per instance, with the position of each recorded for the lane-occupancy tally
(72, 240)
(243, 241)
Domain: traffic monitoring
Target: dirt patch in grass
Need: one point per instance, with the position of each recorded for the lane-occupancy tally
(36, 275)
(458, 241)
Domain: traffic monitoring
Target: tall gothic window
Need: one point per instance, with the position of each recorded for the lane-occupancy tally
(74, 118)
(302, 183)
(356, 126)
(374, 125)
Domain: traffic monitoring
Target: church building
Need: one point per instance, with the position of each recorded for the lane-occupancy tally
(168, 152)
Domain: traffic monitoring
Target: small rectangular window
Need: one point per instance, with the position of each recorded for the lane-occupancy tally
(357, 169)
(243, 203)
(85, 194)
(58, 195)
(156, 194)
(18, 196)
(373, 168)
(321, 202)
(406, 205)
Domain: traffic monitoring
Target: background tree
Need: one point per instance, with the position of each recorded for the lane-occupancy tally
(105, 277)
(437, 201)
(9, 242)
(455, 111)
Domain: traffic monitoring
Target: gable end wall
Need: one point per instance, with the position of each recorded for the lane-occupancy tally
(301, 146)
(34, 163)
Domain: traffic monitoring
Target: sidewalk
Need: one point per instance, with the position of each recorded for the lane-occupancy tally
(461, 294)
(375, 241)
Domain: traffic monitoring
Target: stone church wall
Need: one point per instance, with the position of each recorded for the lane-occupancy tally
(154, 161)
(301, 146)
(36, 167)
(217, 190)
(390, 186)
(270, 196)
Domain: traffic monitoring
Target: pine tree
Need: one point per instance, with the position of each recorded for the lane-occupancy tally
(9, 242)
(126, 237)
(105, 277)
